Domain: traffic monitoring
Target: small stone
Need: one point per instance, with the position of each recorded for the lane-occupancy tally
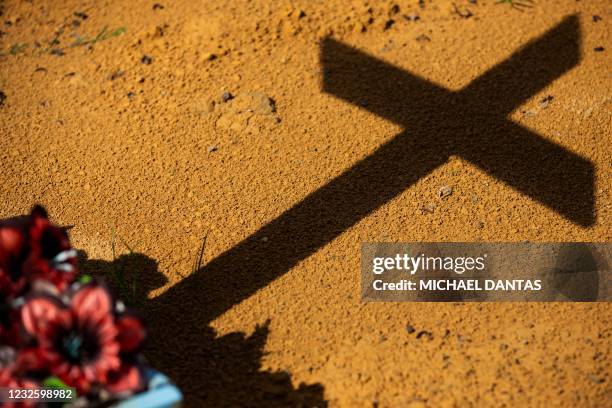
(363, 103)
(479, 224)
(423, 37)
(264, 239)
(58, 52)
(158, 6)
(595, 379)
(599, 49)
(226, 96)
(388, 24)
(146, 60)
(474, 199)
(394, 9)
(528, 113)
(424, 334)
(301, 14)
(117, 74)
(596, 18)
(445, 191)
(131, 95)
(211, 149)
(412, 17)
(544, 102)
(428, 209)
(410, 329)
(2, 98)
(209, 56)
(463, 14)
(81, 15)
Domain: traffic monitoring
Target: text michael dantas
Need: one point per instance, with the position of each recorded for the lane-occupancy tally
(458, 265)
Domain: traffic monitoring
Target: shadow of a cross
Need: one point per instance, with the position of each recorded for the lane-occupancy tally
(470, 123)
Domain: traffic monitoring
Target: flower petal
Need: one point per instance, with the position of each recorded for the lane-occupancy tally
(11, 241)
(41, 316)
(131, 333)
(127, 379)
(31, 359)
(91, 304)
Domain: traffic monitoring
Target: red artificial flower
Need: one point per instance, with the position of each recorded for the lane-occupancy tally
(32, 249)
(50, 257)
(85, 344)
(128, 379)
(10, 379)
(12, 248)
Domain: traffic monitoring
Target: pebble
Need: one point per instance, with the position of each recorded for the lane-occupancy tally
(463, 14)
(544, 102)
(210, 56)
(445, 191)
(596, 18)
(425, 334)
(599, 49)
(146, 60)
(117, 74)
(131, 95)
(597, 380)
(410, 329)
(423, 37)
(58, 52)
(81, 15)
(158, 6)
(528, 113)
(2, 98)
(211, 149)
(226, 96)
(412, 17)
(428, 209)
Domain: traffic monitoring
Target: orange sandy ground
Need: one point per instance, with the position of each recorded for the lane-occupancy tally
(143, 167)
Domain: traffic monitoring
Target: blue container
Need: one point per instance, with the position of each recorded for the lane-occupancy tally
(161, 394)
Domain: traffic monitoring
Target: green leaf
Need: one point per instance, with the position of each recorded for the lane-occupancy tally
(85, 279)
(54, 382)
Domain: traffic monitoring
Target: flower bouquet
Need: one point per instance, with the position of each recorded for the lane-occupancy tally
(61, 330)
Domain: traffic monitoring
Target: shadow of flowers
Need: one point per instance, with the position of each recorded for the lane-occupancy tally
(221, 371)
